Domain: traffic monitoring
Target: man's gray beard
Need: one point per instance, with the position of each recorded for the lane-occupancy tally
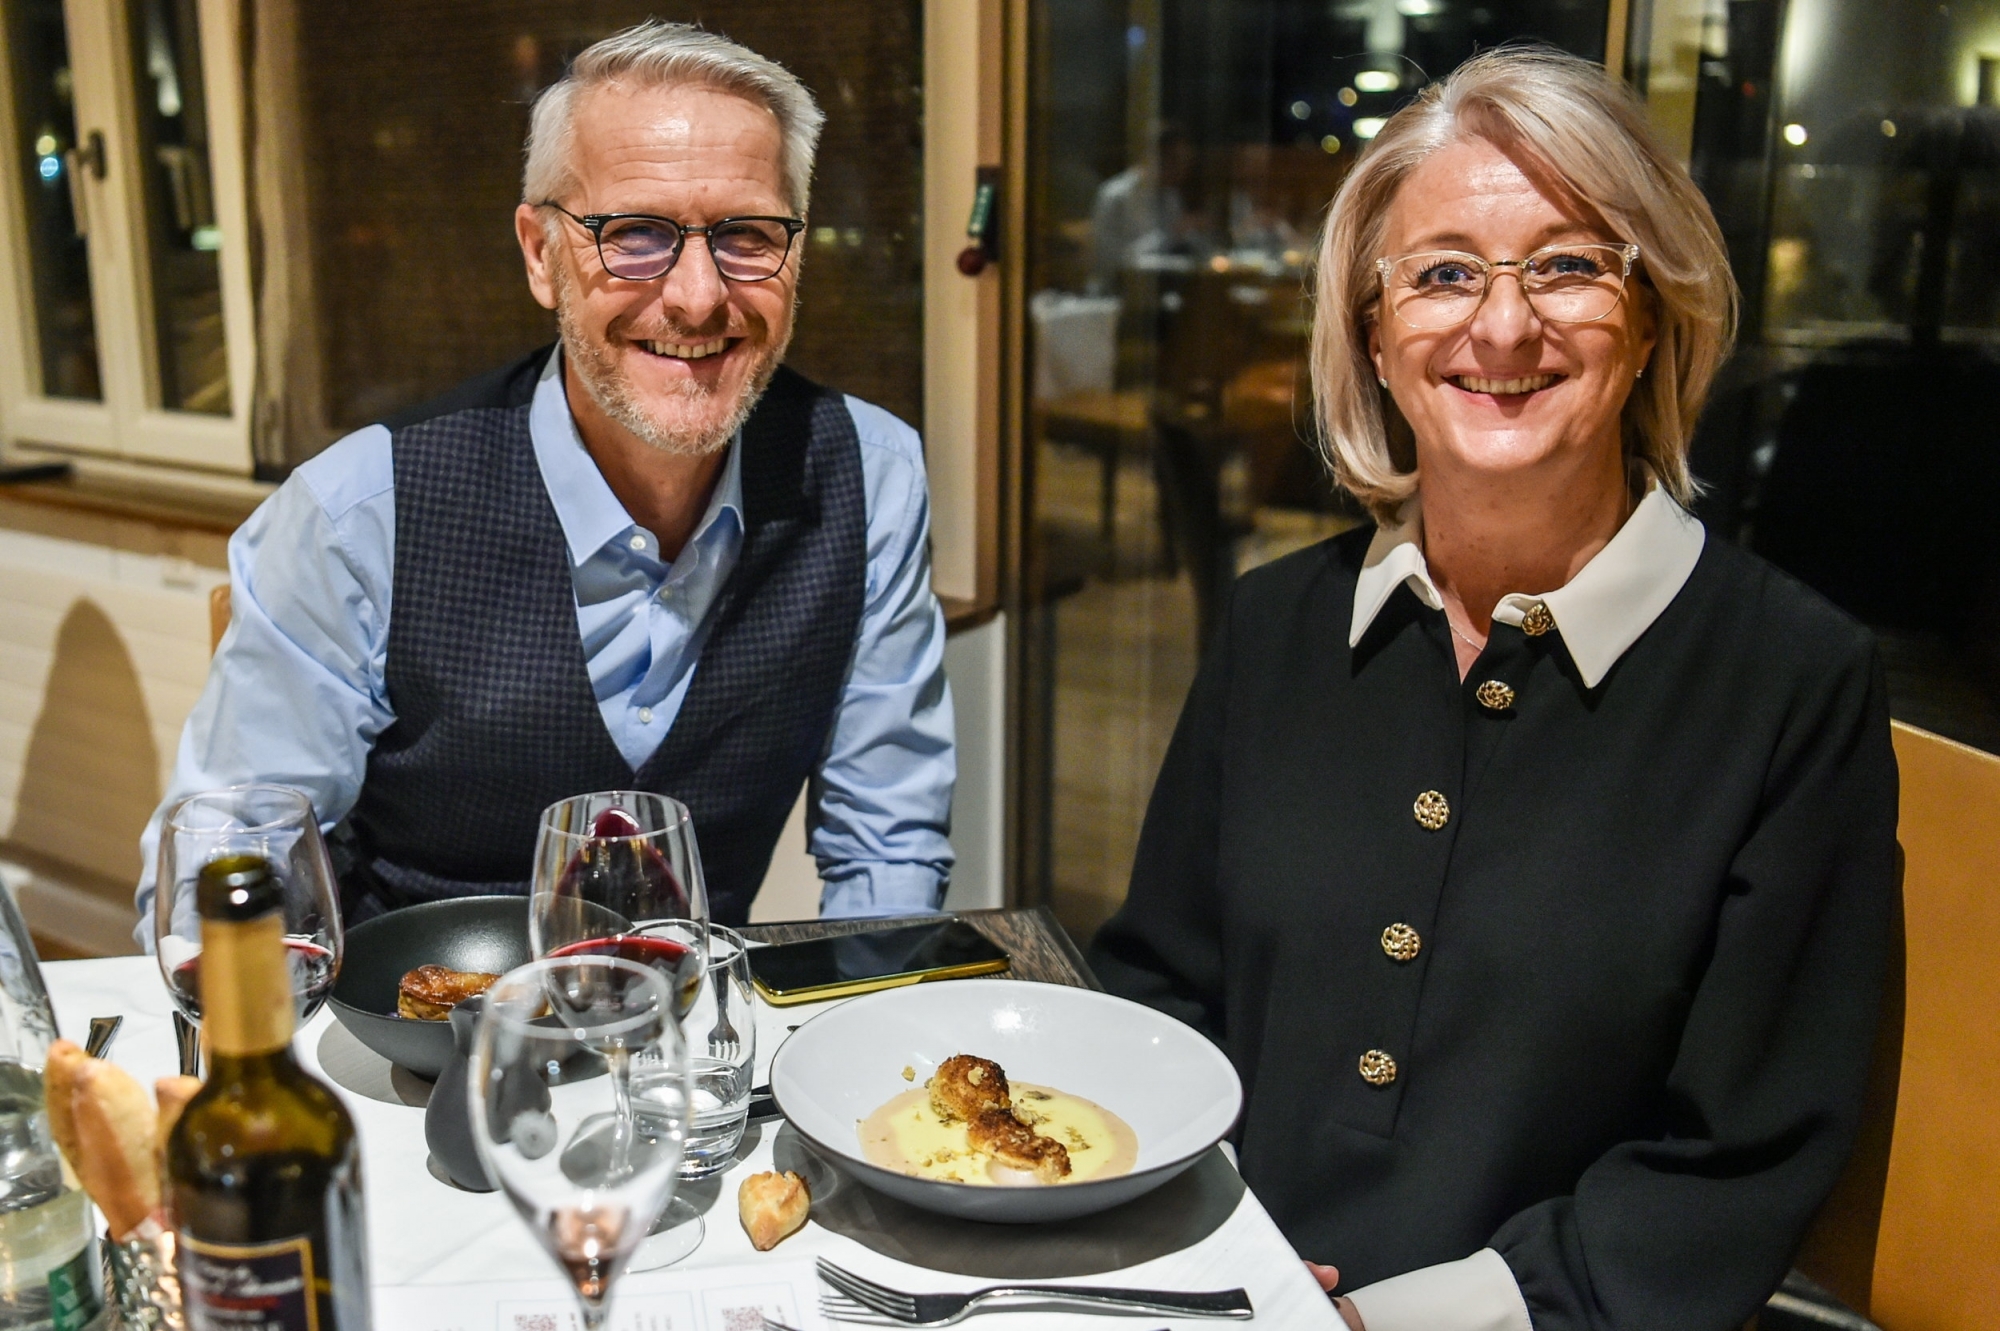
(613, 394)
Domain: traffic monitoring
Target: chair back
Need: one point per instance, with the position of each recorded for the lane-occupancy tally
(1911, 1234)
(218, 615)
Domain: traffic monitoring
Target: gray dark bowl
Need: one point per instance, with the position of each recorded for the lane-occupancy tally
(466, 934)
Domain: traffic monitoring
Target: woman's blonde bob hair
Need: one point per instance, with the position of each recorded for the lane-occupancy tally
(1567, 121)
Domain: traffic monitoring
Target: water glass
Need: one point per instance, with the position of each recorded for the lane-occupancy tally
(722, 1049)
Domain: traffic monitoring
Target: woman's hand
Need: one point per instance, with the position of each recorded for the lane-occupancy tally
(1328, 1277)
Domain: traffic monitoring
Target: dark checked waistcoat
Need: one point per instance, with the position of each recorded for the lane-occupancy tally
(495, 714)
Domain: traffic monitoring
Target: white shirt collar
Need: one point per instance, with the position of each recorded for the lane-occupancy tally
(1601, 611)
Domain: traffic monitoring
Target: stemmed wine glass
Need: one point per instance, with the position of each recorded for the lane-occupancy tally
(617, 873)
(276, 824)
(579, 1092)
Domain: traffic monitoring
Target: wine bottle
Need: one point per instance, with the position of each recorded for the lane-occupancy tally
(263, 1169)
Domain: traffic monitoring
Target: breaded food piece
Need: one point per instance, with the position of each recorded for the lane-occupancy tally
(772, 1206)
(429, 993)
(113, 1120)
(173, 1093)
(1015, 1145)
(965, 1087)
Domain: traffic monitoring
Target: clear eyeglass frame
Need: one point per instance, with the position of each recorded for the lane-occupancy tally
(775, 234)
(1537, 287)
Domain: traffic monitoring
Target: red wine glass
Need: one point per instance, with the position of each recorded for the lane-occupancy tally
(277, 824)
(613, 869)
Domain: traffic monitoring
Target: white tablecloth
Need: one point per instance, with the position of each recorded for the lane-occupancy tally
(423, 1232)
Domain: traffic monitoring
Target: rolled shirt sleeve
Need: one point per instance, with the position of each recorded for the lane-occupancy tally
(879, 808)
(1477, 1293)
(295, 693)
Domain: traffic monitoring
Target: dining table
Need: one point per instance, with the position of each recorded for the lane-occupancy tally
(444, 1259)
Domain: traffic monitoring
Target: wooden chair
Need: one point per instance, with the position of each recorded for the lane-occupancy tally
(1911, 1235)
(218, 615)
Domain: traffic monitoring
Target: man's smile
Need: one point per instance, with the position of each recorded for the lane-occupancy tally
(685, 350)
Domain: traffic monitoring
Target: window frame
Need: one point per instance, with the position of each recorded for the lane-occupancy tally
(130, 424)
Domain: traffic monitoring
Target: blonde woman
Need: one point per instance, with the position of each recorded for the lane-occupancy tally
(1531, 854)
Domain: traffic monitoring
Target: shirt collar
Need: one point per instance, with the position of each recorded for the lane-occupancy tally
(589, 513)
(1601, 611)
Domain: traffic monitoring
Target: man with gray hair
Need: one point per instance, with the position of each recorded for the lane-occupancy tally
(649, 557)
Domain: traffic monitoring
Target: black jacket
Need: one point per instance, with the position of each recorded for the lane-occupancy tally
(1650, 933)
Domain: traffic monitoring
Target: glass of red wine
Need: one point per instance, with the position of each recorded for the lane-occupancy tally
(618, 874)
(276, 824)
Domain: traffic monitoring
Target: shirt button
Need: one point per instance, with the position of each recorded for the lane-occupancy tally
(637, 542)
(645, 716)
(1433, 810)
(1377, 1068)
(1401, 942)
(1494, 696)
(1537, 621)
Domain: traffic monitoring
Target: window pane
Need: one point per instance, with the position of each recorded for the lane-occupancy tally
(58, 257)
(1852, 151)
(1181, 156)
(182, 238)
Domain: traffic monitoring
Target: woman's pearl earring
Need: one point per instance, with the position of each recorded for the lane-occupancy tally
(1640, 373)
(1382, 381)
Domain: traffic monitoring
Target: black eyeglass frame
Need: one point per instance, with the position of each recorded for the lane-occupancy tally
(595, 223)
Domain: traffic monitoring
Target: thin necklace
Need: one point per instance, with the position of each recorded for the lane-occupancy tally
(1477, 647)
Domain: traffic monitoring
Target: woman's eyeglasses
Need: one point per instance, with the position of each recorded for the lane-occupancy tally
(1571, 284)
(638, 247)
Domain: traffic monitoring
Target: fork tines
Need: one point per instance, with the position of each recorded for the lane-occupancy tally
(879, 1299)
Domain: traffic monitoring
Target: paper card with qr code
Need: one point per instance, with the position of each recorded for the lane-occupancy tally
(723, 1298)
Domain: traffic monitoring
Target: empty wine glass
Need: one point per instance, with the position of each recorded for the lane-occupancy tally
(276, 824)
(613, 869)
(579, 1094)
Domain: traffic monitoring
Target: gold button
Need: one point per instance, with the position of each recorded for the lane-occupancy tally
(1494, 696)
(1537, 621)
(1401, 942)
(1433, 811)
(1377, 1068)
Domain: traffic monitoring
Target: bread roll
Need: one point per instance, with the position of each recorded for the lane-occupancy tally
(772, 1206)
(114, 1122)
(59, 1075)
(173, 1093)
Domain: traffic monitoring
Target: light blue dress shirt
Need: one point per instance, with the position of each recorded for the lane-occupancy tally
(296, 692)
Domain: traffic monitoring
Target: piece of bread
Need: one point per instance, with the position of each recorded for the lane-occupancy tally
(114, 1123)
(173, 1093)
(772, 1206)
(429, 993)
(964, 1087)
(59, 1076)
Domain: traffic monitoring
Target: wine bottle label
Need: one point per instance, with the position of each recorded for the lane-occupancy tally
(248, 1287)
(246, 986)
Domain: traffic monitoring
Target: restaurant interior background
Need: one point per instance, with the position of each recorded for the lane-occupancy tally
(236, 230)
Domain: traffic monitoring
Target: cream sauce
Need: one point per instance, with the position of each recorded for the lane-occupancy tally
(906, 1135)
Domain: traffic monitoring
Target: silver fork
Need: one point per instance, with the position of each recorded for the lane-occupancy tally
(723, 1041)
(861, 1299)
(102, 1031)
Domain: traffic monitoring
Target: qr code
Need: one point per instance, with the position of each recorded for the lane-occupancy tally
(743, 1319)
(534, 1322)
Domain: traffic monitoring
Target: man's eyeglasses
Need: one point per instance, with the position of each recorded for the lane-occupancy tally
(1570, 284)
(638, 247)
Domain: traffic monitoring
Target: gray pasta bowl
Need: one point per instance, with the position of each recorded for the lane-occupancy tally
(464, 933)
(1176, 1089)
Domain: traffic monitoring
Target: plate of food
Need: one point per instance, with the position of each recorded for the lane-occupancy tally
(405, 971)
(1005, 1100)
